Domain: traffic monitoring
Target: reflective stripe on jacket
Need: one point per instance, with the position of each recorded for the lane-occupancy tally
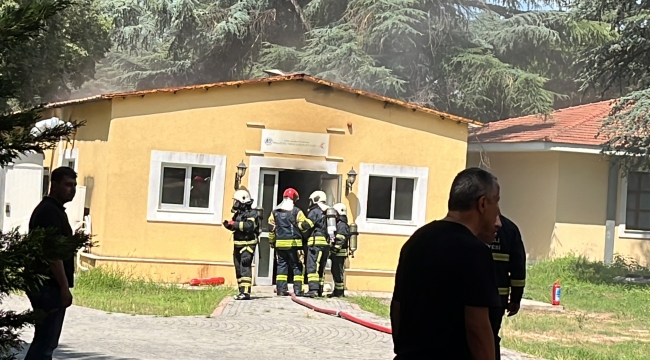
(287, 228)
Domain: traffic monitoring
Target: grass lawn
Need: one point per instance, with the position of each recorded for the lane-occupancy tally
(113, 291)
(603, 320)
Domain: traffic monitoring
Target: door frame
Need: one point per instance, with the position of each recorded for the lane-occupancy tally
(264, 235)
(259, 164)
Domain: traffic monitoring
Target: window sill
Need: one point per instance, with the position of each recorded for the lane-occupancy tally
(391, 222)
(372, 227)
(184, 216)
(187, 210)
(624, 233)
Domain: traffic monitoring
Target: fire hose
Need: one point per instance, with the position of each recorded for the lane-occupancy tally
(342, 315)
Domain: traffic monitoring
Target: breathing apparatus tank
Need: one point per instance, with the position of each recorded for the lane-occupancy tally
(354, 232)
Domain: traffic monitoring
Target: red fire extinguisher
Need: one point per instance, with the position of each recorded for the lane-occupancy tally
(555, 295)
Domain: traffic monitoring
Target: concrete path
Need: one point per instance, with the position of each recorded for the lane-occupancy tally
(269, 327)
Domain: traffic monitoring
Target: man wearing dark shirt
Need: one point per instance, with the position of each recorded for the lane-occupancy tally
(54, 296)
(445, 282)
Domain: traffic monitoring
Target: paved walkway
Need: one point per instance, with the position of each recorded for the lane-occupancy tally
(267, 328)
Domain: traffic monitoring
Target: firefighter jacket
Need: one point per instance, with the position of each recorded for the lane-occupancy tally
(287, 228)
(342, 237)
(509, 261)
(318, 223)
(244, 228)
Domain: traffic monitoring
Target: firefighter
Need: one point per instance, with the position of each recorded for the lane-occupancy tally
(244, 225)
(287, 224)
(339, 251)
(510, 263)
(317, 243)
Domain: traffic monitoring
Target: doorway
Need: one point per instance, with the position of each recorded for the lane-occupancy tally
(272, 184)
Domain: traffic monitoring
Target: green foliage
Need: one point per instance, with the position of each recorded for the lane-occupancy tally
(621, 63)
(37, 40)
(424, 51)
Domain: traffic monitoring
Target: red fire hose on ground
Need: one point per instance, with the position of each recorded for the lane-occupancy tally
(342, 315)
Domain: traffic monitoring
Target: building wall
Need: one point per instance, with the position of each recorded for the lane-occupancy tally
(214, 122)
(529, 190)
(559, 202)
(581, 205)
(91, 144)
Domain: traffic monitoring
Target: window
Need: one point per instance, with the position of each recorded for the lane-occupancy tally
(392, 198)
(185, 187)
(69, 158)
(637, 209)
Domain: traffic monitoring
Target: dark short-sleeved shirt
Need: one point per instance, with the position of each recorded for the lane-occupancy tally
(50, 213)
(442, 268)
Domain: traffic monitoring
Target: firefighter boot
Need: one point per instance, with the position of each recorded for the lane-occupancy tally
(336, 293)
(243, 296)
(297, 289)
(311, 294)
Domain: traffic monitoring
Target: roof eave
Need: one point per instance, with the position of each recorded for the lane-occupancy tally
(272, 79)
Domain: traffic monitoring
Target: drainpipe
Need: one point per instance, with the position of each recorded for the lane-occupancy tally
(612, 197)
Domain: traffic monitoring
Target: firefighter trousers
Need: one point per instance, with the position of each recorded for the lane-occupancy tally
(496, 317)
(287, 260)
(316, 263)
(338, 273)
(243, 259)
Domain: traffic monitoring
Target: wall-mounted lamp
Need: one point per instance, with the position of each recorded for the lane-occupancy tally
(352, 177)
(241, 171)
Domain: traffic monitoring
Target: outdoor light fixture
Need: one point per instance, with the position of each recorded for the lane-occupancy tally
(241, 171)
(352, 177)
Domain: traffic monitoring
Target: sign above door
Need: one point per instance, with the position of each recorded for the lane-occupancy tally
(295, 143)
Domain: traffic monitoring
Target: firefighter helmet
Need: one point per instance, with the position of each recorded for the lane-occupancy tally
(318, 197)
(242, 196)
(341, 209)
(291, 193)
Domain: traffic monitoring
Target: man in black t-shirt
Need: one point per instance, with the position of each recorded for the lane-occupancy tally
(54, 296)
(445, 282)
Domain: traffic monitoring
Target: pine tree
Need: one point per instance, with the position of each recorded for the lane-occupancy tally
(23, 257)
(622, 64)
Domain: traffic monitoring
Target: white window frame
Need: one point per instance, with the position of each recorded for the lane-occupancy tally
(158, 212)
(622, 215)
(393, 227)
(69, 154)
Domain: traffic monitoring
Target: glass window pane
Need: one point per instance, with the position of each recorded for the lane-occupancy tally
(645, 181)
(404, 199)
(633, 180)
(630, 220)
(644, 201)
(632, 201)
(200, 190)
(644, 221)
(173, 186)
(379, 195)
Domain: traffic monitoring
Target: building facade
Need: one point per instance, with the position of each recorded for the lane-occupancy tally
(563, 193)
(159, 169)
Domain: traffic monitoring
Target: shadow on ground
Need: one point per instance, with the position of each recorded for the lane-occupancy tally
(64, 352)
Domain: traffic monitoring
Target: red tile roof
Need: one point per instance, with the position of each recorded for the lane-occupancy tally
(574, 125)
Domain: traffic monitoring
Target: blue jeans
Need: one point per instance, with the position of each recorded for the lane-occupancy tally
(48, 330)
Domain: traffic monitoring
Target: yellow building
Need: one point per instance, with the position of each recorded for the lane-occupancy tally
(565, 196)
(159, 170)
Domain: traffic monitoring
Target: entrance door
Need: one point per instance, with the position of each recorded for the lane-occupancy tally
(265, 255)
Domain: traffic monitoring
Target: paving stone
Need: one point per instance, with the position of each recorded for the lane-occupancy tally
(269, 327)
